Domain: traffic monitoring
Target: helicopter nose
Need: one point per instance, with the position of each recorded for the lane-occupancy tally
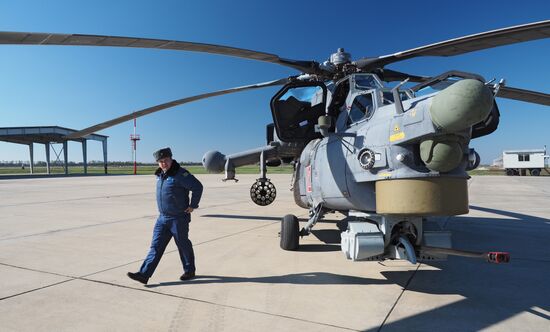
(461, 105)
(454, 109)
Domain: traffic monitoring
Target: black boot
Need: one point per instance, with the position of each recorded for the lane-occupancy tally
(138, 277)
(187, 276)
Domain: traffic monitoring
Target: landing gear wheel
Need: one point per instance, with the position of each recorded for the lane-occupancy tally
(290, 233)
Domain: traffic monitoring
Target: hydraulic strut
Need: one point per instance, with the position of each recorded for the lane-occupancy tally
(316, 214)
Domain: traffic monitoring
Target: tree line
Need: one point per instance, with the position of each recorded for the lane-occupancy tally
(19, 163)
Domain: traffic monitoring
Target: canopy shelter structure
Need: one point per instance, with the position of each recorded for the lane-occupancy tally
(49, 135)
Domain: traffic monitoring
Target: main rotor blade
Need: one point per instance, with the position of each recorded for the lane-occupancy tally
(33, 38)
(503, 92)
(524, 95)
(461, 45)
(153, 109)
(389, 75)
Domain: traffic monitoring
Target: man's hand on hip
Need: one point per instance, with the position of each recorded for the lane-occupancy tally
(189, 210)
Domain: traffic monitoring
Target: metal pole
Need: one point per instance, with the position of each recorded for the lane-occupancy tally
(66, 157)
(84, 155)
(31, 152)
(135, 143)
(48, 169)
(263, 169)
(105, 154)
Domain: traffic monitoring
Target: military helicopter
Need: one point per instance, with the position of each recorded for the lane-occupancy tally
(386, 158)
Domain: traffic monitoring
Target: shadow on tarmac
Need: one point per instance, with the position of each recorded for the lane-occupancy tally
(486, 294)
(319, 247)
(331, 237)
(235, 216)
(309, 278)
(265, 218)
(515, 215)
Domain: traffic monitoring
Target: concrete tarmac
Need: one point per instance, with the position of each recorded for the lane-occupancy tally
(67, 243)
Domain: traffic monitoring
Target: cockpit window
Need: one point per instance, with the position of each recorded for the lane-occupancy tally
(296, 110)
(387, 97)
(366, 82)
(305, 94)
(361, 108)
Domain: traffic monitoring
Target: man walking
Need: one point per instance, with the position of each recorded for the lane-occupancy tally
(173, 185)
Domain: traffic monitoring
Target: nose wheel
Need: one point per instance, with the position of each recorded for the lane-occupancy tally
(290, 233)
(263, 192)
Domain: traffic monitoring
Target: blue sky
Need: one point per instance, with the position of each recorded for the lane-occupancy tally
(76, 87)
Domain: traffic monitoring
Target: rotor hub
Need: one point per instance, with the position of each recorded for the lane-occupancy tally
(340, 57)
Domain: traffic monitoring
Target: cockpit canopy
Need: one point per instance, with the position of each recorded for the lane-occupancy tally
(365, 82)
(296, 109)
(367, 93)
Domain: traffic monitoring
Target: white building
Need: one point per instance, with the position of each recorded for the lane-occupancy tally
(517, 162)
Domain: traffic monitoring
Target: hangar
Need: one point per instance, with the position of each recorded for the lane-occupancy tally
(49, 135)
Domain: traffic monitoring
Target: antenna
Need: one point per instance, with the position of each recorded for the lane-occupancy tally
(134, 138)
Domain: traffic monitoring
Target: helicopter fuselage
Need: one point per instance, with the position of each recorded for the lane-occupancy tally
(376, 146)
(385, 158)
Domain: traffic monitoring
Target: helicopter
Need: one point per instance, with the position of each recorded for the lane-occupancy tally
(387, 158)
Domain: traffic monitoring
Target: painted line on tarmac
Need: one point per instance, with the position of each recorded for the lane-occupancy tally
(77, 199)
(240, 232)
(194, 245)
(35, 270)
(220, 305)
(84, 278)
(77, 228)
(33, 290)
(139, 260)
(175, 250)
(116, 267)
(398, 298)
(240, 201)
(70, 278)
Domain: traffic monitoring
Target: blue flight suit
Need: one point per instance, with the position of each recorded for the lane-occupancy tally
(172, 200)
